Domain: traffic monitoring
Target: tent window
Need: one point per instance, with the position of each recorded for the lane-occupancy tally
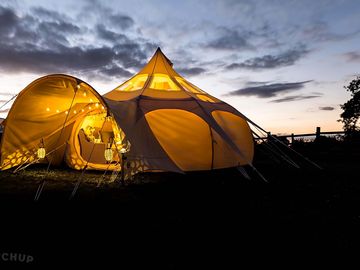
(188, 86)
(163, 82)
(134, 84)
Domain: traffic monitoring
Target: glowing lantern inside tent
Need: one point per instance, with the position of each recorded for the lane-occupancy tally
(108, 154)
(41, 152)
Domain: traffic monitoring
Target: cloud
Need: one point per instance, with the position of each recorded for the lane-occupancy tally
(294, 98)
(44, 41)
(191, 71)
(326, 108)
(6, 94)
(352, 56)
(319, 32)
(230, 39)
(268, 90)
(106, 15)
(46, 14)
(121, 21)
(109, 35)
(115, 71)
(287, 58)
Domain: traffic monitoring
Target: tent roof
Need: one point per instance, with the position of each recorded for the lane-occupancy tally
(158, 79)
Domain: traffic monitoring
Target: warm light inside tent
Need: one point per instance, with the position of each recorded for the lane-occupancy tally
(108, 154)
(41, 152)
(188, 86)
(163, 82)
(135, 83)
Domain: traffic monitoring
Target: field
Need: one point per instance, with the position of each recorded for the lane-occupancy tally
(195, 220)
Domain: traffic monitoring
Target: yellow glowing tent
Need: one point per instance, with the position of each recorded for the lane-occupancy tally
(66, 117)
(170, 124)
(175, 126)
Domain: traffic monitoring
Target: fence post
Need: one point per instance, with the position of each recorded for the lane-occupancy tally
(269, 135)
(317, 132)
(292, 138)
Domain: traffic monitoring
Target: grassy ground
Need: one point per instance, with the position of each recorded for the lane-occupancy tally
(170, 219)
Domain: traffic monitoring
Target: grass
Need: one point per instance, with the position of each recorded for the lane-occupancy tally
(218, 212)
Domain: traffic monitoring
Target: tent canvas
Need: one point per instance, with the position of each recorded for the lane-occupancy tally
(52, 111)
(174, 125)
(171, 124)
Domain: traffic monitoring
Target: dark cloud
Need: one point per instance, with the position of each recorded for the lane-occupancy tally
(268, 90)
(286, 58)
(106, 15)
(352, 56)
(294, 98)
(256, 83)
(48, 61)
(109, 35)
(230, 40)
(121, 21)
(115, 70)
(191, 71)
(42, 42)
(8, 18)
(326, 108)
(49, 15)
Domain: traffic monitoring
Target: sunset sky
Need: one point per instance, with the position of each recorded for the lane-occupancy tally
(281, 63)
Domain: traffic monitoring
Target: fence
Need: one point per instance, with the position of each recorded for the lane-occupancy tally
(317, 134)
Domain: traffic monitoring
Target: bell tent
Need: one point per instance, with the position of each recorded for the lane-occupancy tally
(175, 126)
(161, 120)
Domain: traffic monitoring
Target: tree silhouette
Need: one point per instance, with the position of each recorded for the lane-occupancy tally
(351, 108)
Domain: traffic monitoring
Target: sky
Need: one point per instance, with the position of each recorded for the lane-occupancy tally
(282, 63)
